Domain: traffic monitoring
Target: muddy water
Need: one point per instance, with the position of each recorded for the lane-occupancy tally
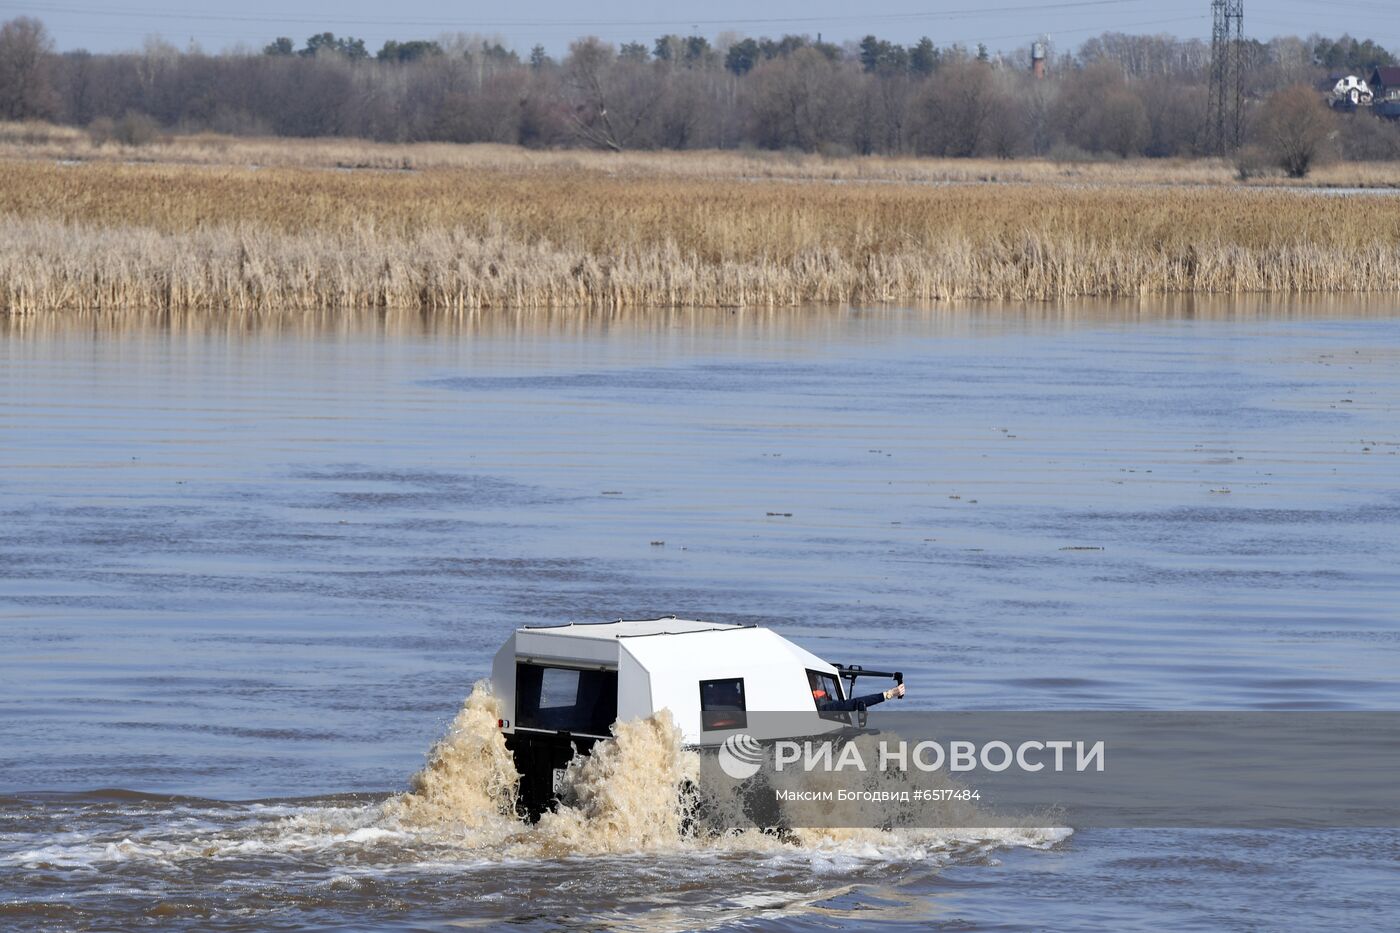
(249, 571)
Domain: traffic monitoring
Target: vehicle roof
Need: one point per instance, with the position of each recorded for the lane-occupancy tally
(630, 628)
(743, 649)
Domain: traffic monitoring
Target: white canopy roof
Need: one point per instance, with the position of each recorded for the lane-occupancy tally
(597, 642)
(622, 628)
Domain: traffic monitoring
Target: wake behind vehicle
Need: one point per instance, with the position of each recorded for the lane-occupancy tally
(563, 686)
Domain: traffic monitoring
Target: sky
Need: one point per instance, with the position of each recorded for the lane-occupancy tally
(217, 25)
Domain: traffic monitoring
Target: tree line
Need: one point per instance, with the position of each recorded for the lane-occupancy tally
(1116, 95)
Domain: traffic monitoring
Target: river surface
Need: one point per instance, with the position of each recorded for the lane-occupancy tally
(249, 570)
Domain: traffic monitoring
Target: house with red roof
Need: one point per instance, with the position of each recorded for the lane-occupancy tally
(1385, 82)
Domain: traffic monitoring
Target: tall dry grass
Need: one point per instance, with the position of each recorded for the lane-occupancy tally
(112, 235)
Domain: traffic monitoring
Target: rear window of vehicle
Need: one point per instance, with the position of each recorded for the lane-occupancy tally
(565, 699)
(722, 704)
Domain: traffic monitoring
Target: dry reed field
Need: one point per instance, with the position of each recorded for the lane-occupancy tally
(68, 144)
(471, 228)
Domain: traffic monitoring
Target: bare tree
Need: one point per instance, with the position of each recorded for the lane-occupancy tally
(544, 117)
(1119, 123)
(950, 116)
(801, 101)
(1038, 104)
(1150, 57)
(611, 100)
(1295, 128)
(78, 88)
(1174, 115)
(26, 91)
(1099, 111)
(1006, 130)
(685, 117)
(885, 103)
(1290, 61)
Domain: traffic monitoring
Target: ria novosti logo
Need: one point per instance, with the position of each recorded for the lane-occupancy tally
(740, 756)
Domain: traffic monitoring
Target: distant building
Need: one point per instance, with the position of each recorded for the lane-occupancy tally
(1385, 83)
(1326, 84)
(1038, 59)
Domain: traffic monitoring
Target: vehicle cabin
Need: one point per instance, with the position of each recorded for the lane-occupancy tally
(580, 678)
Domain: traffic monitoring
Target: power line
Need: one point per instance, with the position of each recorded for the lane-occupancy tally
(947, 40)
(573, 24)
(1372, 11)
(1097, 27)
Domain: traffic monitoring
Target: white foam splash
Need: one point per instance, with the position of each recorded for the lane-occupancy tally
(626, 797)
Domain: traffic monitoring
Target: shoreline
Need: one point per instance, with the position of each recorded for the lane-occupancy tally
(40, 142)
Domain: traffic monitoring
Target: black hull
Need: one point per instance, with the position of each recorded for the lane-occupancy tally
(538, 755)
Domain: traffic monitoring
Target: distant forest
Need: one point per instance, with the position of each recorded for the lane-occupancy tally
(1114, 96)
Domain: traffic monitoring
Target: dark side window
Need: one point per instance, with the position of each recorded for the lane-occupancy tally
(826, 690)
(722, 704)
(565, 699)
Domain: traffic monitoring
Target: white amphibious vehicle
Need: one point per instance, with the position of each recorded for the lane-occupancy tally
(563, 686)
